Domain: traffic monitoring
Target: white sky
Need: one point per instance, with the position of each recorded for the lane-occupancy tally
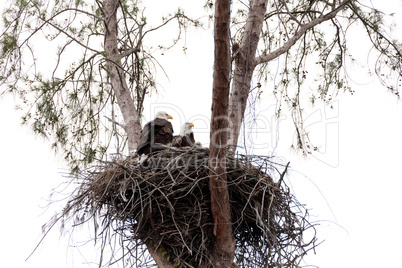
(352, 188)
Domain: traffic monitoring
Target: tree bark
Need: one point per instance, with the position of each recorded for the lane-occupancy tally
(245, 60)
(117, 77)
(123, 96)
(159, 259)
(244, 68)
(224, 243)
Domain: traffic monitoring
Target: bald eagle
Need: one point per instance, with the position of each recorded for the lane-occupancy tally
(155, 134)
(186, 137)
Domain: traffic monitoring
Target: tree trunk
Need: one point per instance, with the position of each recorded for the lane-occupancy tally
(244, 68)
(118, 78)
(123, 96)
(224, 243)
(158, 257)
(245, 60)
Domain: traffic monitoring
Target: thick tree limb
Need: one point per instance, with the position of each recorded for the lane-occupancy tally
(118, 78)
(246, 62)
(224, 243)
(122, 93)
(244, 67)
(303, 29)
(130, 51)
(160, 260)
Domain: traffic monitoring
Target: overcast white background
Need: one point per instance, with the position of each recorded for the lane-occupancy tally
(352, 186)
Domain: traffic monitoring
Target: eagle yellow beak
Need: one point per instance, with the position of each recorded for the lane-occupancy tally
(191, 125)
(169, 117)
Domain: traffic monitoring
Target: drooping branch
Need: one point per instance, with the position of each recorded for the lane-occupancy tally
(390, 50)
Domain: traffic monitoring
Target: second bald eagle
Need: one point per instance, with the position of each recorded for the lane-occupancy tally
(186, 137)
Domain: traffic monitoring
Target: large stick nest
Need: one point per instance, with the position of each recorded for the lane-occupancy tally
(164, 202)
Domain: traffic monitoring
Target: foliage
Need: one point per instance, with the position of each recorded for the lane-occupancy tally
(67, 98)
(52, 57)
(323, 48)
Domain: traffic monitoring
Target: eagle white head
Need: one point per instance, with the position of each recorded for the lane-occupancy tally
(186, 128)
(163, 115)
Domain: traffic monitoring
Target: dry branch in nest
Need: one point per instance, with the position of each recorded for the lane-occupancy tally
(164, 202)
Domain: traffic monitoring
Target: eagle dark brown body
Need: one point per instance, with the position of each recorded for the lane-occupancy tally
(183, 141)
(157, 132)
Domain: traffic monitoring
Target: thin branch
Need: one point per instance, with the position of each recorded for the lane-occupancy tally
(48, 22)
(115, 122)
(130, 51)
(70, 36)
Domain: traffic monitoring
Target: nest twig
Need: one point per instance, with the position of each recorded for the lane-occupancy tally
(164, 202)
